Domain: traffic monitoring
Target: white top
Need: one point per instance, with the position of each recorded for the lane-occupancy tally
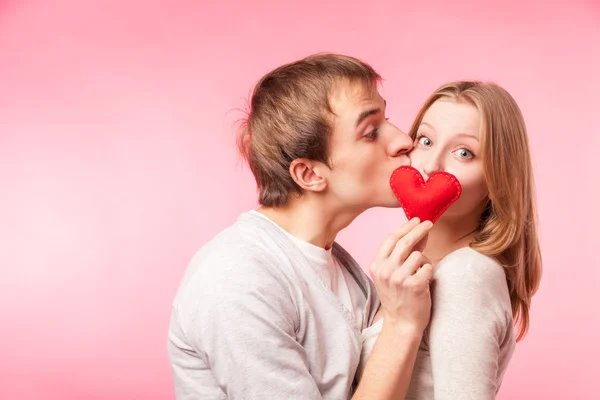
(335, 276)
(470, 339)
(253, 320)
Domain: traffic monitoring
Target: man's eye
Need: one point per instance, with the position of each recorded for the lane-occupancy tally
(373, 134)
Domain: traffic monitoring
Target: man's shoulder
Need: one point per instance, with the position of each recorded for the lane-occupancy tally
(241, 254)
(231, 274)
(245, 236)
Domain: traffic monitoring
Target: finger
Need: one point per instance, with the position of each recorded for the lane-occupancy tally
(405, 245)
(415, 260)
(425, 272)
(390, 242)
(422, 244)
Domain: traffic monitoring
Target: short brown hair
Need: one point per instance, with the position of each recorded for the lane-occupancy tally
(290, 117)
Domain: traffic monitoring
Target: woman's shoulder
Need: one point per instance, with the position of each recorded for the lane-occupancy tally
(469, 271)
(470, 263)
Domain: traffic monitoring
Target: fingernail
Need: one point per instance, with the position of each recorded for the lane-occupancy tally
(427, 224)
(414, 220)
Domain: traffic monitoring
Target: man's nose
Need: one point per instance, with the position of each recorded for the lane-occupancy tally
(400, 144)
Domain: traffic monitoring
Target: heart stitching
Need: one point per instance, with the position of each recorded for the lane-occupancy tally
(422, 184)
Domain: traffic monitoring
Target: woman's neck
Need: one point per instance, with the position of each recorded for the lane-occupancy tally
(449, 234)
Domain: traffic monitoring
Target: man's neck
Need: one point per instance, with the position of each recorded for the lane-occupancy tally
(310, 219)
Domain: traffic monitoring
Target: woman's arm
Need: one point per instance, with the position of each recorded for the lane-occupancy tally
(468, 324)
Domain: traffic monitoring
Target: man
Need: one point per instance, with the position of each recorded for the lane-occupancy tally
(272, 307)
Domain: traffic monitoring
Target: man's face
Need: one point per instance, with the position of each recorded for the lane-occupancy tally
(365, 150)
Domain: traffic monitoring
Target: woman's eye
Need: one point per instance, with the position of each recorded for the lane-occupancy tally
(464, 154)
(425, 141)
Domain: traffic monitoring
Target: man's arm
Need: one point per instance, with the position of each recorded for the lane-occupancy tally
(402, 275)
(242, 321)
(389, 368)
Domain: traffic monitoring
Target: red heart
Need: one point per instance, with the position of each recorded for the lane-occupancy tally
(425, 200)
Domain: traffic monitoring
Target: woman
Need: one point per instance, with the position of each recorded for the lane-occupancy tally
(485, 246)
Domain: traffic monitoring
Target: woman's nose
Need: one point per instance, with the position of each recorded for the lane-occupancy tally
(430, 167)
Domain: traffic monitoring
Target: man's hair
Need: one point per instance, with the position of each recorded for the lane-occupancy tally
(290, 117)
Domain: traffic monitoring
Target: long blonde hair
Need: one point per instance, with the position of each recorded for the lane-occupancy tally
(508, 229)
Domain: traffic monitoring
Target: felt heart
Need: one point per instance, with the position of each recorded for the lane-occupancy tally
(425, 200)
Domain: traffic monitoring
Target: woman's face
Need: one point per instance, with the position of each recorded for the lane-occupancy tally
(448, 139)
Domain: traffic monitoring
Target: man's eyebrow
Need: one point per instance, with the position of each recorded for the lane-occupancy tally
(368, 113)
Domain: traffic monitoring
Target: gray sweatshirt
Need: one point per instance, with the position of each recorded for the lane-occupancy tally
(253, 320)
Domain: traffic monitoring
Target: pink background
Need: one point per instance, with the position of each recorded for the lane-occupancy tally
(117, 164)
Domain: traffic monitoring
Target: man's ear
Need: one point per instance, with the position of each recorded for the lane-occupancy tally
(308, 174)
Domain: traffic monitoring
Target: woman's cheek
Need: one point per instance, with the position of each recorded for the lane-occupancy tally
(473, 190)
